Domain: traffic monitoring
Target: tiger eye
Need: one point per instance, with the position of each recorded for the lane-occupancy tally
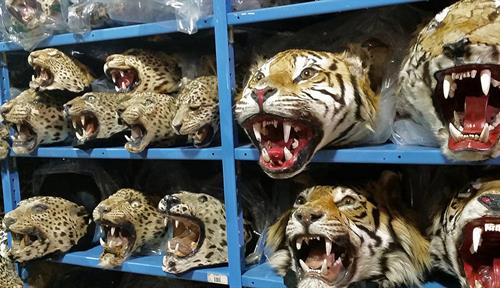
(307, 73)
(259, 76)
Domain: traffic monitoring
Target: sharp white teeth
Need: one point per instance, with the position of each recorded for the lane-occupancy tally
(124, 86)
(168, 246)
(328, 246)
(79, 136)
(485, 81)
(476, 238)
(286, 131)
(176, 223)
(117, 89)
(473, 73)
(495, 83)
(288, 154)
(296, 129)
(113, 76)
(446, 86)
(128, 138)
(176, 247)
(265, 155)
(113, 231)
(317, 238)
(165, 222)
(324, 267)
(13, 137)
(256, 131)
(18, 127)
(485, 134)
(74, 124)
(303, 265)
(102, 242)
(122, 73)
(457, 135)
(82, 119)
(295, 144)
(298, 244)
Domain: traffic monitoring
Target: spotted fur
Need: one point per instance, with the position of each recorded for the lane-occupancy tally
(52, 224)
(128, 206)
(8, 275)
(383, 243)
(32, 14)
(44, 115)
(66, 72)
(4, 145)
(198, 110)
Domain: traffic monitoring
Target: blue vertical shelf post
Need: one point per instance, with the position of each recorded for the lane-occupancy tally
(225, 66)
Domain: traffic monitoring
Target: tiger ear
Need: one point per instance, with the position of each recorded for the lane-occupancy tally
(276, 233)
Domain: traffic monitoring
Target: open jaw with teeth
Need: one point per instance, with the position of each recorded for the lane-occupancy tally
(24, 10)
(285, 145)
(137, 135)
(322, 258)
(125, 80)
(43, 76)
(480, 252)
(24, 137)
(22, 240)
(118, 241)
(203, 136)
(185, 236)
(86, 126)
(468, 98)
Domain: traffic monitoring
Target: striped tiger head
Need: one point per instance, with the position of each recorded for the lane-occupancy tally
(465, 236)
(300, 101)
(450, 82)
(335, 236)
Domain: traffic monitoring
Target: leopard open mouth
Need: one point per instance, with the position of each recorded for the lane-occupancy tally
(468, 100)
(86, 126)
(136, 142)
(43, 76)
(25, 139)
(23, 240)
(117, 238)
(286, 145)
(24, 10)
(185, 235)
(203, 136)
(480, 252)
(125, 80)
(320, 257)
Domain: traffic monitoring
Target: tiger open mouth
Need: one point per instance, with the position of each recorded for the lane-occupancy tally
(480, 252)
(86, 126)
(285, 145)
(185, 236)
(43, 76)
(318, 256)
(117, 239)
(23, 241)
(25, 139)
(468, 99)
(137, 141)
(125, 80)
(203, 136)
(24, 10)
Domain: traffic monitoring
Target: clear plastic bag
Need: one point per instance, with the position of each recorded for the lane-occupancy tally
(86, 15)
(188, 12)
(408, 132)
(240, 5)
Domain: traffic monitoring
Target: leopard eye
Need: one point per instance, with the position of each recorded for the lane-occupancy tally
(307, 73)
(259, 76)
(203, 198)
(39, 208)
(194, 107)
(91, 98)
(301, 200)
(135, 204)
(348, 200)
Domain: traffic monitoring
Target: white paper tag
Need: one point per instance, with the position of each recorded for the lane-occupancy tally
(217, 278)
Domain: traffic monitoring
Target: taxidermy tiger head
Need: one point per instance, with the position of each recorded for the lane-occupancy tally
(450, 82)
(465, 236)
(299, 101)
(335, 236)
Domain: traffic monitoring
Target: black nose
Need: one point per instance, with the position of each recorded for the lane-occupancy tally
(4, 110)
(172, 201)
(8, 221)
(261, 95)
(120, 111)
(308, 216)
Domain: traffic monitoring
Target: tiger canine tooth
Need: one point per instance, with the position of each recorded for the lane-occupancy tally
(128, 138)
(485, 81)
(288, 154)
(473, 73)
(102, 242)
(82, 119)
(446, 86)
(117, 89)
(295, 144)
(328, 246)
(476, 238)
(286, 131)
(78, 136)
(455, 133)
(303, 265)
(122, 73)
(324, 267)
(485, 134)
(176, 223)
(169, 246)
(113, 231)
(256, 131)
(298, 244)
(265, 155)
(74, 124)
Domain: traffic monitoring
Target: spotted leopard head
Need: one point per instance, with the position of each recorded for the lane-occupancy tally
(33, 13)
(137, 70)
(149, 116)
(302, 100)
(450, 81)
(8, 274)
(94, 116)
(198, 227)
(44, 225)
(128, 223)
(55, 70)
(198, 112)
(37, 119)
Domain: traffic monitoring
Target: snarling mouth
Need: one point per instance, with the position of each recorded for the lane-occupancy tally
(24, 137)
(480, 252)
(468, 98)
(137, 134)
(320, 257)
(26, 238)
(125, 80)
(285, 144)
(86, 126)
(117, 239)
(24, 11)
(43, 76)
(203, 136)
(185, 235)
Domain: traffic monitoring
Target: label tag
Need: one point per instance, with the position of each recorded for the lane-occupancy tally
(217, 278)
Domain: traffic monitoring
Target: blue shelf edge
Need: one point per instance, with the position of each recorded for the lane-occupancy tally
(378, 154)
(306, 9)
(114, 33)
(147, 265)
(187, 153)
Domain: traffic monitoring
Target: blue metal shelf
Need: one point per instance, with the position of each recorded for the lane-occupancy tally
(306, 9)
(186, 153)
(148, 265)
(114, 33)
(379, 154)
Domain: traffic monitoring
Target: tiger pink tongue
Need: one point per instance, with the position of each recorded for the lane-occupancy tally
(475, 114)
(276, 153)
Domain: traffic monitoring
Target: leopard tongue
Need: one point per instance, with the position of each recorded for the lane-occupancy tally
(475, 114)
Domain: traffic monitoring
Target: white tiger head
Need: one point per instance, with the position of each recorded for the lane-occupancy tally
(450, 82)
(300, 101)
(465, 237)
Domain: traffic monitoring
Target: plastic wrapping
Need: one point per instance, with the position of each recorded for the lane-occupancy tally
(408, 132)
(240, 5)
(86, 15)
(188, 12)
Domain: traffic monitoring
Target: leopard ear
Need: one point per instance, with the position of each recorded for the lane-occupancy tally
(79, 211)
(276, 232)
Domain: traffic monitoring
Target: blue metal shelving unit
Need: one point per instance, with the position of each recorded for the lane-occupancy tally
(235, 273)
